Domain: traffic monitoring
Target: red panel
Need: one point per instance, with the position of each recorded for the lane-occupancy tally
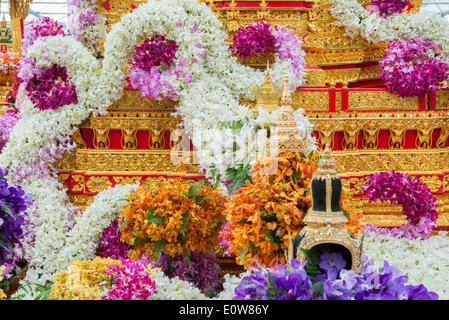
(338, 140)
(88, 136)
(115, 135)
(383, 137)
(142, 139)
(410, 139)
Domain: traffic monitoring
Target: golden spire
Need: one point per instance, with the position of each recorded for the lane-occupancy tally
(286, 135)
(326, 165)
(3, 23)
(267, 95)
(286, 99)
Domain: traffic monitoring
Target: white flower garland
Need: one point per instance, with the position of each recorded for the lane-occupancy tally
(357, 21)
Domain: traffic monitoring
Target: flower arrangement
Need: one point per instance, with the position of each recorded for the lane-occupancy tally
(152, 68)
(252, 40)
(2, 293)
(8, 120)
(8, 62)
(417, 202)
(265, 215)
(260, 38)
(423, 261)
(13, 205)
(354, 225)
(132, 280)
(413, 67)
(373, 27)
(174, 288)
(38, 28)
(12, 94)
(51, 88)
(171, 216)
(335, 283)
(83, 280)
(200, 268)
(86, 25)
(389, 7)
(47, 87)
(224, 234)
(110, 244)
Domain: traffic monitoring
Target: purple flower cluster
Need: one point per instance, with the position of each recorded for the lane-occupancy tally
(13, 205)
(47, 88)
(51, 88)
(253, 40)
(416, 199)
(42, 27)
(82, 13)
(388, 7)
(8, 120)
(201, 270)
(287, 46)
(154, 52)
(413, 67)
(110, 244)
(152, 68)
(335, 283)
(132, 281)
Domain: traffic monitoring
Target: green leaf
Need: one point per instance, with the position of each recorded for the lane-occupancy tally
(186, 255)
(243, 254)
(7, 210)
(121, 226)
(268, 217)
(199, 199)
(158, 246)
(271, 234)
(185, 221)
(194, 189)
(313, 260)
(154, 218)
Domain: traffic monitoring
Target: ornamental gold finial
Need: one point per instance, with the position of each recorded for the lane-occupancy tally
(3, 23)
(326, 165)
(267, 95)
(286, 99)
(286, 135)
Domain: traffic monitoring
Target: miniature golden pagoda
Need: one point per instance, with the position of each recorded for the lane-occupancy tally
(267, 96)
(286, 135)
(325, 221)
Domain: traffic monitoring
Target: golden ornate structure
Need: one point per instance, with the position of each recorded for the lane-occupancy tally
(285, 136)
(267, 96)
(18, 11)
(367, 128)
(325, 221)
